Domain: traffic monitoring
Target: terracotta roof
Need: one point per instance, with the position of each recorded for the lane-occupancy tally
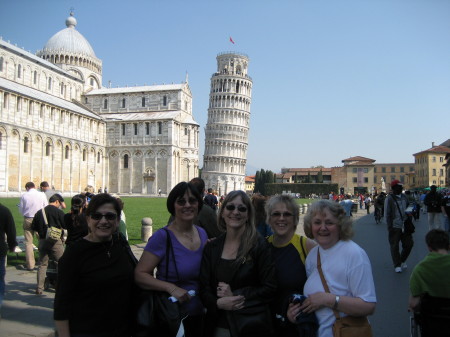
(436, 149)
(299, 170)
(250, 179)
(358, 159)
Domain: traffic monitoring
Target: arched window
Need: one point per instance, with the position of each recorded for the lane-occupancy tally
(1, 63)
(47, 149)
(124, 101)
(98, 157)
(159, 128)
(66, 156)
(26, 144)
(143, 101)
(41, 112)
(84, 155)
(125, 161)
(165, 100)
(19, 71)
(91, 82)
(105, 103)
(35, 77)
(49, 83)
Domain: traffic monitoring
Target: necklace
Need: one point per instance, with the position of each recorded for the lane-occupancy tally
(108, 249)
(185, 234)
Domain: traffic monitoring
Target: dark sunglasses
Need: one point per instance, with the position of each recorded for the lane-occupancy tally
(108, 216)
(182, 202)
(284, 214)
(231, 207)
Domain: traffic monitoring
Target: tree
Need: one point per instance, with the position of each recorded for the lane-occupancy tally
(308, 178)
(263, 177)
(320, 177)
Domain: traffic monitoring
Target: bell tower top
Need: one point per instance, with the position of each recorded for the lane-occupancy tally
(232, 63)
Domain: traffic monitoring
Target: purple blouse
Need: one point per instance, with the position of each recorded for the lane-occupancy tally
(188, 264)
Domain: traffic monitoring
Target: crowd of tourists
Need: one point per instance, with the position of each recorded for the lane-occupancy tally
(234, 267)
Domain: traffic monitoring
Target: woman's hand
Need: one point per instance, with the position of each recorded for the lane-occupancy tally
(316, 301)
(293, 311)
(231, 302)
(224, 290)
(180, 294)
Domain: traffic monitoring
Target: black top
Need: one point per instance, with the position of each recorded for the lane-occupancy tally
(75, 231)
(95, 288)
(433, 201)
(8, 228)
(55, 217)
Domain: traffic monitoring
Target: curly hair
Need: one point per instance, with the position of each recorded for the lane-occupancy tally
(250, 235)
(336, 210)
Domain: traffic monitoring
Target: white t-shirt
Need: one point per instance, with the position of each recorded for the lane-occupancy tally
(347, 271)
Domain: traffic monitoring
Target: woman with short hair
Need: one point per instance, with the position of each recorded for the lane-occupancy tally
(188, 240)
(345, 265)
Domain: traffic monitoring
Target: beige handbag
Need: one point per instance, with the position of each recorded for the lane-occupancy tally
(53, 233)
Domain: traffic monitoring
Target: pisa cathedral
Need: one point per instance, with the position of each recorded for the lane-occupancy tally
(59, 124)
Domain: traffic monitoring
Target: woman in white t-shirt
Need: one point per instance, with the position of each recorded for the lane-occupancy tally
(345, 265)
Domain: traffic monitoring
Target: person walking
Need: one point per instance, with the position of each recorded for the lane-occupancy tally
(368, 202)
(433, 201)
(54, 217)
(30, 202)
(211, 200)
(7, 242)
(45, 187)
(394, 210)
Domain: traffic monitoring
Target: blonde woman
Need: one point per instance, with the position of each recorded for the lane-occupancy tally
(237, 274)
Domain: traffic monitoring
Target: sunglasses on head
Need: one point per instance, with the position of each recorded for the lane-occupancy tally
(231, 207)
(108, 216)
(182, 202)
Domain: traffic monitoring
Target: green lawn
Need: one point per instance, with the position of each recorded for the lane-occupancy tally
(135, 209)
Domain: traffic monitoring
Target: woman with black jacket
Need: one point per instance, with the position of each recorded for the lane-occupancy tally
(237, 276)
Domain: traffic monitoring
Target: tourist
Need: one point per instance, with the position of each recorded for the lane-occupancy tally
(289, 251)
(54, 217)
(433, 201)
(95, 278)
(75, 222)
(7, 243)
(183, 203)
(237, 274)
(259, 204)
(345, 265)
(30, 202)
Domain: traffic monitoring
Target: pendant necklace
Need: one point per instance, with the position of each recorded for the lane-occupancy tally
(108, 252)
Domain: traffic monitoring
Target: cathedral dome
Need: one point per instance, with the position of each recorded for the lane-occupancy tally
(69, 40)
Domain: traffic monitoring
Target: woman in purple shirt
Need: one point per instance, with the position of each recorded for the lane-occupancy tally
(188, 240)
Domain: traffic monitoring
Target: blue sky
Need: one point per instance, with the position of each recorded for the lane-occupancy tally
(331, 78)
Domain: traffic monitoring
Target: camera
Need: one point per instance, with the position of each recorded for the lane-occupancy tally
(297, 298)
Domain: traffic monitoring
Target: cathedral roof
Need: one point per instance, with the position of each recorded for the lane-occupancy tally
(150, 116)
(44, 97)
(126, 90)
(69, 40)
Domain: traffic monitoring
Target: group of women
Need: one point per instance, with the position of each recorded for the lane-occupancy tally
(242, 282)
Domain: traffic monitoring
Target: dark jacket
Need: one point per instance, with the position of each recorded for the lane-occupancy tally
(254, 279)
(433, 201)
(55, 217)
(8, 228)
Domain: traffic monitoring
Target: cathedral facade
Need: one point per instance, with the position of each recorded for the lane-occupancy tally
(59, 124)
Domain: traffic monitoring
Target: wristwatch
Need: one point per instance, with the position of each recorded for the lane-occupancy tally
(336, 302)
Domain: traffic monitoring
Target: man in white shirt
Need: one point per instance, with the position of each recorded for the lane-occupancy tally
(30, 202)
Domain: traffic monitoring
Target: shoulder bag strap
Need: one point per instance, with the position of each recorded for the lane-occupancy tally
(169, 249)
(45, 217)
(324, 283)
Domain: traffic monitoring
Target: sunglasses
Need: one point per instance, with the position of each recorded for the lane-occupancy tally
(182, 202)
(108, 216)
(231, 207)
(284, 214)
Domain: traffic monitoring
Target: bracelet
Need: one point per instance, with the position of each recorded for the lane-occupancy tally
(170, 292)
(336, 302)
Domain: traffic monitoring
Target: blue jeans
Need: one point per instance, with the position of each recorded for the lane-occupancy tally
(2, 278)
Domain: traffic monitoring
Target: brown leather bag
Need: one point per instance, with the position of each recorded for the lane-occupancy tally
(347, 326)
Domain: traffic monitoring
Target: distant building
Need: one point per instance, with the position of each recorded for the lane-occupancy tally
(59, 124)
(431, 166)
(249, 184)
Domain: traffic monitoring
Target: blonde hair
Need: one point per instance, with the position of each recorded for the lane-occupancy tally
(344, 222)
(290, 203)
(250, 235)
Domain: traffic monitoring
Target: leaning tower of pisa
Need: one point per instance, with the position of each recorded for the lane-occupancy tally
(226, 132)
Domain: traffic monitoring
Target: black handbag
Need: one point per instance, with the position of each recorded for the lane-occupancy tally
(255, 319)
(156, 315)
